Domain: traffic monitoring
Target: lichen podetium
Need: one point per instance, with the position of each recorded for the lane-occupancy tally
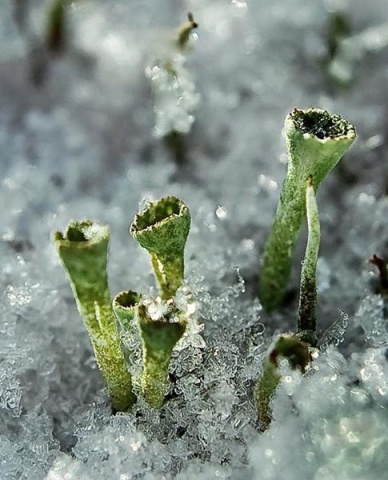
(162, 229)
(161, 326)
(124, 307)
(316, 141)
(308, 279)
(83, 251)
(297, 353)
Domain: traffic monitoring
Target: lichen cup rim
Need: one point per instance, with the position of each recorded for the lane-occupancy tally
(130, 295)
(142, 221)
(339, 129)
(90, 233)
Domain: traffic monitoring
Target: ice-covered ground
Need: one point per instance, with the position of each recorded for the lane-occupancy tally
(82, 144)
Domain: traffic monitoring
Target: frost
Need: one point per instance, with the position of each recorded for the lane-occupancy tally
(335, 434)
(87, 144)
(10, 394)
(370, 316)
(334, 335)
(190, 312)
(323, 275)
(174, 96)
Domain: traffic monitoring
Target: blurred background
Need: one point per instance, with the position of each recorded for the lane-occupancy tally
(102, 108)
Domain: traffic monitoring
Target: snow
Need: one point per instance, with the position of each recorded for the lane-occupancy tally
(82, 144)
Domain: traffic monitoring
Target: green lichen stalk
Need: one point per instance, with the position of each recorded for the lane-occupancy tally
(124, 307)
(297, 353)
(308, 278)
(161, 326)
(162, 229)
(83, 251)
(264, 391)
(316, 141)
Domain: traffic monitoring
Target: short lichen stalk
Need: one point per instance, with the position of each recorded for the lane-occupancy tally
(264, 391)
(159, 334)
(287, 346)
(316, 141)
(124, 307)
(160, 325)
(307, 324)
(83, 251)
(162, 229)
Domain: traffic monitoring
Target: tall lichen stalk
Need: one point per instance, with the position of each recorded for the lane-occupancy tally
(316, 141)
(307, 321)
(162, 229)
(295, 348)
(297, 353)
(83, 252)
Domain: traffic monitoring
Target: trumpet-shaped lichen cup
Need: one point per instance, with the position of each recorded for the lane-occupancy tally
(162, 229)
(83, 250)
(316, 141)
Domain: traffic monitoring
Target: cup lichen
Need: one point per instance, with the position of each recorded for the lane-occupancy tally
(316, 141)
(83, 250)
(162, 229)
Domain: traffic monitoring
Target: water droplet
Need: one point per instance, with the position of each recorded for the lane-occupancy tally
(221, 213)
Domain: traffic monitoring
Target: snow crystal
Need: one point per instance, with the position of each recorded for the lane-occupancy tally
(174, 96)
(370, 316)
(82, 135)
